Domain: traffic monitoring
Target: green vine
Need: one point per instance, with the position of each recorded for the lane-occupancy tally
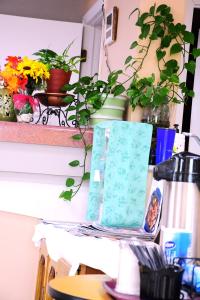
(156, 25)
(89, 98)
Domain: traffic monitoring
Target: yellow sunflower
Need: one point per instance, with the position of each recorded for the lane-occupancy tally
(34, 69)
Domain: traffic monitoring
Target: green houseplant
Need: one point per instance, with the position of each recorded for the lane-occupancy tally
(151, 91)
(154, 92)
(171, 41)
(60, 67)
(90, 95)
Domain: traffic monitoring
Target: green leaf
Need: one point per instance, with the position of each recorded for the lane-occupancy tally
(191, 93)
(172, 64)
(171, 67)
(141, 19)
(86, 80)
(72, 117)
(67, 195)
(74, 163)
(161, 7)
(118, 90)
(144, 31)
(175, 48)
(159, 19)
(164, 91)
(88, 147)
(70, 182)
(165, 42)
(188, 37)
(158, 30)
(71, 108)
(86, 176)
(128, 59)
(190, 66)
(133, 45)
(68, 99)
(174, 78)
(69, 87)
(153, 36)
(100, 83)
(160, 54)
(163, 76)
(112, 78)
(196, 52)
(149, 91)
(152, 10)
(77, 137)
(183, 87)
(179, 28)
(79, 105)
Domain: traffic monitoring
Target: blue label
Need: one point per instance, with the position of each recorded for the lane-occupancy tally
(170, 245)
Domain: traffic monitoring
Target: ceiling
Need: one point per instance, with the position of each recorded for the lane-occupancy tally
(61, 10)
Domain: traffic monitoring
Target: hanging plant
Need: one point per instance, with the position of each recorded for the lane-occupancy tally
(88, 93)
(158, 25)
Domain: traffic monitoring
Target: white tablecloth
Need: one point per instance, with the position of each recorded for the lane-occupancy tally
(100, 253)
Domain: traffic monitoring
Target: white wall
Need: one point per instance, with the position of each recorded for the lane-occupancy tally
(33, 176)
(23, 36)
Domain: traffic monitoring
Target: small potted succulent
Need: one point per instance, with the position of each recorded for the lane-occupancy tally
(60, 67)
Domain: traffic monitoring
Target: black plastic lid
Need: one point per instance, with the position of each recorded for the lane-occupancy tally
(182, 167)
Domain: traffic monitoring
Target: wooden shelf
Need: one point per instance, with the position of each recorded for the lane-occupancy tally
(41, 134)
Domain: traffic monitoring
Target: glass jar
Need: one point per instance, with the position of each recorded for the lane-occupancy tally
(158, 117)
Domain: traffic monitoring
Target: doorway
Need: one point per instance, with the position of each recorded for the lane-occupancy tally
(91, 43)
(191, 112)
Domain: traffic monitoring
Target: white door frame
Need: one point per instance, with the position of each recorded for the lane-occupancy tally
(92, 30)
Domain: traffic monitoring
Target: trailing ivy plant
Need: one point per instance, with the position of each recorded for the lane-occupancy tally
(158, 25)
(88, 99)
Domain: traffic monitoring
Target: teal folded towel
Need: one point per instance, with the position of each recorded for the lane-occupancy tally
(119, 168)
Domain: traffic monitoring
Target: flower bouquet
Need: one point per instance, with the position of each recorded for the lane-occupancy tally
(21, 76)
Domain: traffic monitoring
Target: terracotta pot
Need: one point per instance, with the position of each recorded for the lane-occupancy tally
(58, 78)
(51, 99)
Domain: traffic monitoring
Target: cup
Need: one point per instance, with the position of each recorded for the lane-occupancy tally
(128, 280)
(163, 284)
(164, 144)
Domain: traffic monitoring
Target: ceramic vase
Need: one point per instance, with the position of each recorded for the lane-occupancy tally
(7, 112)
(113, 109)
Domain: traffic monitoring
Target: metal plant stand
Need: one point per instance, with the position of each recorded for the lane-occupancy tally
(54, 108)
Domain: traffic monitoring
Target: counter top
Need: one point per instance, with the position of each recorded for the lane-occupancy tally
(41, 134)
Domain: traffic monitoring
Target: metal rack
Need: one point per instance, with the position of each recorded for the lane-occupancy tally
(190, 288)
(54, 108)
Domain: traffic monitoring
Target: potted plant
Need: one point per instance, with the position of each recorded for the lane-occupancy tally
(157, 28)
(150, 92)
(21, 76)
(90, 97)
(60, 67)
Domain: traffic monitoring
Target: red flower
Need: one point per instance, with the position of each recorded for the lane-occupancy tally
(20, 100)
(13, 61)
(22, 82)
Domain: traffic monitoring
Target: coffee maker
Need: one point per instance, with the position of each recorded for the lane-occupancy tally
(181, 197)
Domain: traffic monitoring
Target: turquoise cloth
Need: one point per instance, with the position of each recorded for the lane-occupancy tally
(119, 169)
